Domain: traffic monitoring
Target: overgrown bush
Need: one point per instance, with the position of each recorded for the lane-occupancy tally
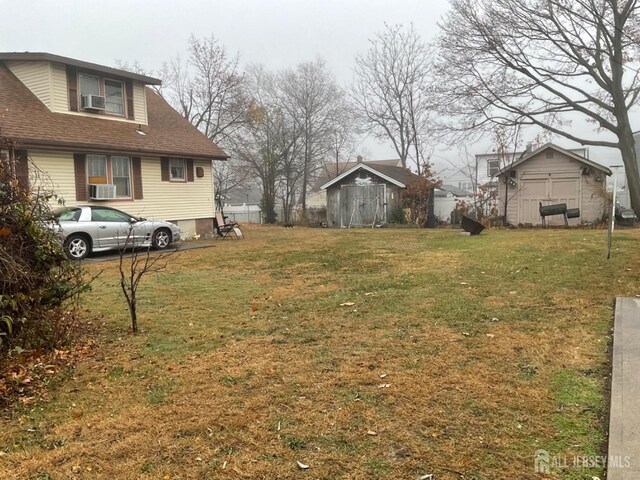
(37, 281)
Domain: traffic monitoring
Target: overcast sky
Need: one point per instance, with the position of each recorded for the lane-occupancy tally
(276, 33)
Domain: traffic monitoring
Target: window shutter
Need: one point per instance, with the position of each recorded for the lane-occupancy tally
(164, 169)
(80, 170)
(72, 82)
(22, 168)
(136, 167)
(189, 169)
(129, 93)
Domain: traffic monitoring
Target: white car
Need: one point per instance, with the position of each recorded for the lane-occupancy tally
(88, 229)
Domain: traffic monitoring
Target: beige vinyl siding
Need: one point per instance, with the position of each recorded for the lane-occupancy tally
(162, 200)
(37, 78)
(139, 104)
(59, 88)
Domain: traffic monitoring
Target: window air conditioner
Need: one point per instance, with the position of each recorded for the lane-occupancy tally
(94, 102)
(102, 192)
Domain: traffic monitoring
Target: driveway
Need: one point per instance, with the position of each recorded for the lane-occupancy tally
(115, 255)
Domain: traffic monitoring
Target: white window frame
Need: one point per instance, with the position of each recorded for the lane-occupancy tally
(183, 163)
(122, 103)
(80, 83)
(128, 177)
(108, 160)
(497, 167)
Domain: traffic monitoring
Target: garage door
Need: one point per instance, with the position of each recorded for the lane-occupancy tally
(362, 205)
(548, 190)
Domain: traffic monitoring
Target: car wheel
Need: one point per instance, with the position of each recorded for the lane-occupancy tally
(76, 247)
(161, 238)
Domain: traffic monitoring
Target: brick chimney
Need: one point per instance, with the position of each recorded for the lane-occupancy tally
(359, 159)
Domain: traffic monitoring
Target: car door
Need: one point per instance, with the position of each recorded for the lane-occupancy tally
(112, 225)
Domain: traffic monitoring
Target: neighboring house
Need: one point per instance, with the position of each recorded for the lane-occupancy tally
(460, 178)
(243, 205)
(445, 199)
(104, 138)
(365, 194)
(550, 175)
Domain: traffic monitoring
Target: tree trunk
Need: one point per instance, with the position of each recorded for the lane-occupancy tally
(134, 314)
(627, 148)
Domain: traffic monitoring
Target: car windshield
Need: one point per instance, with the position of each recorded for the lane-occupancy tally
(67, 214)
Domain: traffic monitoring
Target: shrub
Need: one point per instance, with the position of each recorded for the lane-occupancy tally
(38, 281)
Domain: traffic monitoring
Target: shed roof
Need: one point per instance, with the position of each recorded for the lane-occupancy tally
(331, 170)
(396, 175)
(564, 151)
(26, 120)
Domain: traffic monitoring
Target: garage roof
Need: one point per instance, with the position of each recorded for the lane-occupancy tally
(564, 151)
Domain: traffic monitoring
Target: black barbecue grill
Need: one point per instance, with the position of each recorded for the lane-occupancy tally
(558, 209)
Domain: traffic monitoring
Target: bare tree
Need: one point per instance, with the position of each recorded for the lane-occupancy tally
(392, 92)
(208, 89)
(136, 262)
(310, 95)
(269, 140)
(544, 63)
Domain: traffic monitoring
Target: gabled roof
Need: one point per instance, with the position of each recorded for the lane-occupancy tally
(331, 170)
(26, 120)
(564, 151)
(396, 175)
(48, 57)
(455, 191)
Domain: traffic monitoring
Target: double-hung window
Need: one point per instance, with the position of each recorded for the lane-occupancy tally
(177, 169)
(115, 170)
(97, 169)
(121, 176)
(114, 97)
(493, 167)
(89, 84)
(112, 90)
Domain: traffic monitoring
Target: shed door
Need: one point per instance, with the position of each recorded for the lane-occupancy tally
(362, 205)
(548, 190)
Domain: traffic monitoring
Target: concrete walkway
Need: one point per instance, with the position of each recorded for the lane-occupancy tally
(624, 420)
(114, 255)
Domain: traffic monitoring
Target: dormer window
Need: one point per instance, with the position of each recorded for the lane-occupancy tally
(89, 85)
(111, 90)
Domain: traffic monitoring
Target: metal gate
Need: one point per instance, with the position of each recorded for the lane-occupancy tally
(362, 205)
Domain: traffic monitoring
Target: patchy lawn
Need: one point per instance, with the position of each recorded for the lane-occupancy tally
(460, 357)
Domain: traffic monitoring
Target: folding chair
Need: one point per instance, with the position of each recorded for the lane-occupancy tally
(224, 229)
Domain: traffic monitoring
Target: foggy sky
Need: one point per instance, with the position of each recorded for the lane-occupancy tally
(276, 33)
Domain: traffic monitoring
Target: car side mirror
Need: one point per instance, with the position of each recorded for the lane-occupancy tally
(133, 220)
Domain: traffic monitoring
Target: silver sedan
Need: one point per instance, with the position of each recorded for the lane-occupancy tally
(88, 229)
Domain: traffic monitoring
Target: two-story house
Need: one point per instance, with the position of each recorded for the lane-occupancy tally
(101, 135)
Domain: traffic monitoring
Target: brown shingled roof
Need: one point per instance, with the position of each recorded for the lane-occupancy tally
(25, 119)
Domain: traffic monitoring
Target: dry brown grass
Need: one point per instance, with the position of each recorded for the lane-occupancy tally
(248, 363)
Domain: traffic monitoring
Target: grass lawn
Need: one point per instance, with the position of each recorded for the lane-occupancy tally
(460, 357)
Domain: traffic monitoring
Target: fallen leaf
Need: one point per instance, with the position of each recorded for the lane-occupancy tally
(372, 433)
(383, 375)
(466, 334)
(428, 476)
(302, 465)
(464, 283)
(384, 385)
(347, 304)
(490, 335)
